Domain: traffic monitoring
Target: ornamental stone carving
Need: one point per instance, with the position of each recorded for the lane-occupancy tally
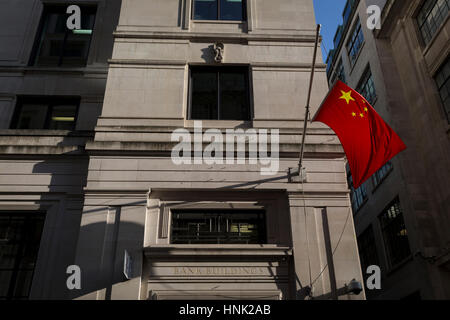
(219, 50)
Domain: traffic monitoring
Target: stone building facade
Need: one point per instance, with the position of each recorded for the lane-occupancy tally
(108, 190)
(43, 163)
(401, 214)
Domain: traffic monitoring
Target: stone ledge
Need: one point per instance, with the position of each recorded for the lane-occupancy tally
(44, 132)
(317, 150)
(240, 37)
(167, 251)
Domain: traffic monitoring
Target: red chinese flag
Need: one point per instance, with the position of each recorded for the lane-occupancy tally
(368, 141)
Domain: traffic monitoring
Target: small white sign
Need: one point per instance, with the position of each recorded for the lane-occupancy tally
(127, 264)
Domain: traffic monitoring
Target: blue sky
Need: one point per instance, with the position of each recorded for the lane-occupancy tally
(329, 15)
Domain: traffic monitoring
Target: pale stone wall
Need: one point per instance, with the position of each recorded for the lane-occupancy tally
(46, 170)
(120, 197)
(131, 172)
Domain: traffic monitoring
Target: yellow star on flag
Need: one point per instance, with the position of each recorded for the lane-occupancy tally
(366, 110)
(347, 96)
(361, 115)
(354, 114)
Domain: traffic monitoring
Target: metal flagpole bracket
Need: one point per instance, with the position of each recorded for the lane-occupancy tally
(294, 176)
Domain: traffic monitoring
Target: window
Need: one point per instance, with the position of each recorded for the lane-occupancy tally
(349, 6)
(367, 250)
(366, 86)
(395, 234)
(358, 196)
(355, 42)
(381, 174)
(20, 235)
(218, 227)
(443, 82)
(233, 10)
(220, 93)
(431, 16)
(56, 45)
(340, 73)
(338, 36)
(54, 113)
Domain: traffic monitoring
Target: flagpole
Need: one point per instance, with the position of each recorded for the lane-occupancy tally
(305, 125)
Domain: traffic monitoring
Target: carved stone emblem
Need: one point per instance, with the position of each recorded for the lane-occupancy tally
(219, 49)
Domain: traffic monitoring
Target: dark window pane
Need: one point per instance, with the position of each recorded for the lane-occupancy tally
(57, 45)
(443, 82)
(204, 96)
(205, 10)
(382, 173)
(395, 234)
(32, 116)
(63, 117)
(355, 43)
(358, 196)
(56, 113)
(88, 18)
(219, 93)
(431, 17)
(366, 86)
(20, 236)
(339, 73)
(231, 10)
(234, 98)
(218, 227)
(5, 280)
(367, 249)
(52, 39)
(367, 253)
(76, 48)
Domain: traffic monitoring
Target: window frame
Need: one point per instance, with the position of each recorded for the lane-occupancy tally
(27, 215)
(440, 87)
(386, 243)
(426, 41)
(373, 246)
(244, 13)
(50, 101)
(246, 71)
(357, 27)
(363, 82)
(262, 232)
(39, 36)
(338, 72)
(356, 192)
(378, 181)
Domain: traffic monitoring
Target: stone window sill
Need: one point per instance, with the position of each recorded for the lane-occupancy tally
(220, 124)
(220, 21)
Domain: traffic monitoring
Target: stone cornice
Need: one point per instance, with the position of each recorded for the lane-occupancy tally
(199, 36)
(182, 63)
(248, 251)
(55, 71)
